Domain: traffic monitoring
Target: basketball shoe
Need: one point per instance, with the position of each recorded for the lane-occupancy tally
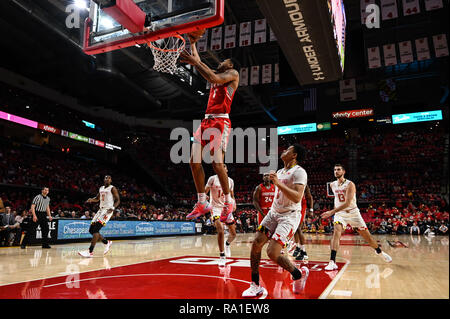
(299, 284)
(86, 254)
(254, 291)
(108, 247)
(331, 266)
(385, 257)
(199, 210)
(222, 261)
(226, 211)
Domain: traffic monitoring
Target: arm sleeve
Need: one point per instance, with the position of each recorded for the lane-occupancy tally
(300, 177)
(35, 200)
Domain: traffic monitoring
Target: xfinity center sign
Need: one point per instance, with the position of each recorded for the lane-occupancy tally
(305, 32)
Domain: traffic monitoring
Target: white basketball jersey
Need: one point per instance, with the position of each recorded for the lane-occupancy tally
(217, 198)
(106, 197)
(289, 177)
(340, 192)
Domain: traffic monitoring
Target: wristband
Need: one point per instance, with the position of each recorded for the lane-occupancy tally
(311, 209)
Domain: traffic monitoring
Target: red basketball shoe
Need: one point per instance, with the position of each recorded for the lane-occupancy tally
(226, 211)
(199, 210)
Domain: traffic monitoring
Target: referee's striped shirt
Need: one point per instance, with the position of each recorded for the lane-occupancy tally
(41, 203)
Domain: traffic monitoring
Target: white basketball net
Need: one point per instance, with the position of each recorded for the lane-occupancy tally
(166, 52)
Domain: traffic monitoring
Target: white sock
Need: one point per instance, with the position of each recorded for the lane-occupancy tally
(201, 197)
(228, 198)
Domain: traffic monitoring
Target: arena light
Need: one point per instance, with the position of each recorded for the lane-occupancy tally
(81, 4)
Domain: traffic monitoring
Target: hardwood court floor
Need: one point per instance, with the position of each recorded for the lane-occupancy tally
(420, 269)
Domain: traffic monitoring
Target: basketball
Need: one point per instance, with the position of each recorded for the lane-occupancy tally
(194, 36)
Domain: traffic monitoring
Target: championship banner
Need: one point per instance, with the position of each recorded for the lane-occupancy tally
(272, 36)
(390, 56)
(410, 7)
(216, 39)
(373, 56)
(422, 49)
(389, 9)
(254, 75)
(347, 90)
(405, 49)
(230, 36)
(364, 14)
(433, 4)
(276, 73)
(267, 73)
(440, 45)
(245, 34)
(243, 73)
(202, 43)
(260, 31)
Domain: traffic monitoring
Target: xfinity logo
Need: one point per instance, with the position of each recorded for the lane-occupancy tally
(298, 23)
(353, 113)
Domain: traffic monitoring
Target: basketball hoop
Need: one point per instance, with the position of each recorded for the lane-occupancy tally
(166, 52)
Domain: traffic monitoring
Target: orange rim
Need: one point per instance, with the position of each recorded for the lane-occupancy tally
(179, 37)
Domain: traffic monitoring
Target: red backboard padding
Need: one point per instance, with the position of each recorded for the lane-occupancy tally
(128, 14)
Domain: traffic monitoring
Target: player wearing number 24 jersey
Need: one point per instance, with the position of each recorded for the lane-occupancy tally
(263, 197)
(345, 213)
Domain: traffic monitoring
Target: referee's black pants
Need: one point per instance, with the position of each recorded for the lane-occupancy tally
(41, 221)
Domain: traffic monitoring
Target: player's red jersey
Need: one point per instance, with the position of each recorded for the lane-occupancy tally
(266, 196)
(220, 98)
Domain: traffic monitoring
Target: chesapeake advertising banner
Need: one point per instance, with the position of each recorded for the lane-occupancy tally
(304, 31)
(79, 229)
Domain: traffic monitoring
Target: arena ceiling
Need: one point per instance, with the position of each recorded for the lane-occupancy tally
(36, 43)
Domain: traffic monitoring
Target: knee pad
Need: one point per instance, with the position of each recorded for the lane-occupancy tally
(95, 228)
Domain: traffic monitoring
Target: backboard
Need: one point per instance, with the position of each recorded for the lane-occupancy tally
(164, 18)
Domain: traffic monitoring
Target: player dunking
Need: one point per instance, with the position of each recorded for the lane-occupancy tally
(282, 221)
(263, 197)
(224, 83)
(346, 212)
(109, 199)
(300, 240)
(217, 202)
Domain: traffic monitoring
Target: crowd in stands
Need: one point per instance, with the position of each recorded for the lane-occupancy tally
(398, 173)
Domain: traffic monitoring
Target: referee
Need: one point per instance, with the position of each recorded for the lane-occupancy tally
(40, 208)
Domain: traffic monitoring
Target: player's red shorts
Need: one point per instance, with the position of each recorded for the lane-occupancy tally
(222, 127)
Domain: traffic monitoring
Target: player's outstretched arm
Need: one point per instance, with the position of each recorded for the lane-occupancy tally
(96, 199)
(205, 71)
